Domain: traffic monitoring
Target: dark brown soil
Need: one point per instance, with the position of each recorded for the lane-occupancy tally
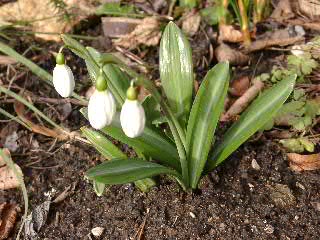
(235, 202)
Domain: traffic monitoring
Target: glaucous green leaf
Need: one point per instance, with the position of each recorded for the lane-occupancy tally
(120, 171)
(204, 116)
(102, 144)
(115, 9)
(176, 70)
(257, 115)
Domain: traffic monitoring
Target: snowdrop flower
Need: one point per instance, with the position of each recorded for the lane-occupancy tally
(102, 106)
(297, 50)
(132, 116)
(63, 80)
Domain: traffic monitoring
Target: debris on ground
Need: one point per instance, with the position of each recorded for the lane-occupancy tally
(225, 53)
(147, 33)
(299, 162)
(282, 196)
(8, 178)
(8, 217)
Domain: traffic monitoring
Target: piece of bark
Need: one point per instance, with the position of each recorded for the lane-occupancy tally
(281, 38)
(300, 162)
(241, 103)
(118, 26)
(224, 53)
(8, 217)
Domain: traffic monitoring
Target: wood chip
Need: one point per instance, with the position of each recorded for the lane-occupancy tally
(300, 162)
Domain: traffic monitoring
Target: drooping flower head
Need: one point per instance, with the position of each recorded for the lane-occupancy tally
(102, 106)
(132, 116)
(63, 80)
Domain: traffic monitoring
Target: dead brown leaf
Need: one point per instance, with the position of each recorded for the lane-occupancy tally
(5, 60)
(239, 86)
(299, 162)
(191, 23)
(282, 37)
(54, 133)
(282, 11)
(45, 17)
(228, 33)
(8, 178)
(116, 27)
(224, 53)
(147, 33)
(310, 8)
(8, 216)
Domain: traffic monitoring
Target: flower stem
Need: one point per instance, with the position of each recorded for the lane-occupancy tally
(244, 23)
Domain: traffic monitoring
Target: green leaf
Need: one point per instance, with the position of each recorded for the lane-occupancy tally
(102, 144)
(188, 3)
(114, 9)
(176, 70)
(98, 188)
(151, 143)
(204, 116)
(213, 14)
(120, 171)
(75, 46)
(256, 116)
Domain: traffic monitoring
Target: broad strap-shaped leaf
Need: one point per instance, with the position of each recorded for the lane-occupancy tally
(102, 144)
(151, 143)
(204, 116)
(176, 70)
(254, 118)
(120, 171)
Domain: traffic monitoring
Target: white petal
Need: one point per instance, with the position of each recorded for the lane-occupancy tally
(63, 80)
(132, 118)
(101, 109)
(297, 50)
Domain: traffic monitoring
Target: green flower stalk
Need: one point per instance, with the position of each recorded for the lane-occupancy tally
(259, 7)
(244, 23)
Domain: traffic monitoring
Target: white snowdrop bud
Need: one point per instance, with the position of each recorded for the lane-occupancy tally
(63, 80)
(297, 50)
(132, 116)
(101, 109)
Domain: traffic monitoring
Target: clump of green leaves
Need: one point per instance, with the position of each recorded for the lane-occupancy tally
(182, 146)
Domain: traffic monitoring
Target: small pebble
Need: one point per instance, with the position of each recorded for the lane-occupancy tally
(269, 229)
(192, 215)
(255, 165)
(97, 231)
(299, 185)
